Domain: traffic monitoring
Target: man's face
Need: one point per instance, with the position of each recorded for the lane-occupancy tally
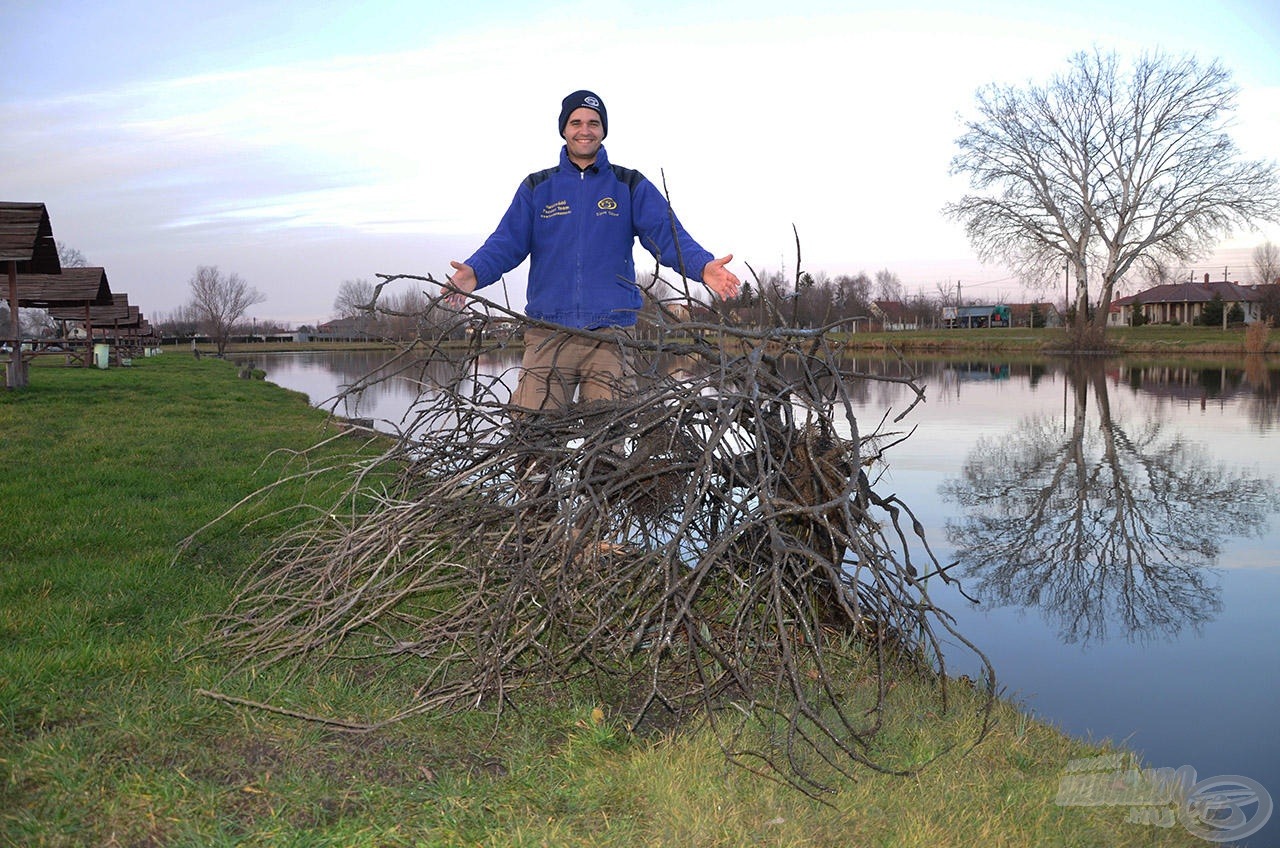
(583, 133)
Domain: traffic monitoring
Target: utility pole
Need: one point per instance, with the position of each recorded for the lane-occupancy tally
(1224, 302)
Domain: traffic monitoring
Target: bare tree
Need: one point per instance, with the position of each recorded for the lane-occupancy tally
(1266, 276)
(1266, 264)
(946, 294)
(220, 301)
(183, 322)
(854, 294)
(355, 298)
(70, 257)
(1110, 167)
(924, 309)
(1030, 154)
(889, 286)
(405, 314)
(1156, 271)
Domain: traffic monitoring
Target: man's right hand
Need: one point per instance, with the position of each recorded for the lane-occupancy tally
(461, 284)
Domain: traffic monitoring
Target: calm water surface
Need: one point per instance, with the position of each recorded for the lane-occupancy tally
(1117, 522)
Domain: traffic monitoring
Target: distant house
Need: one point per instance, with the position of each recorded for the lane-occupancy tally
(1022, 315)
(1184, 303)
(501, 329)
(894, 315)
(973, 317)
(346, 330)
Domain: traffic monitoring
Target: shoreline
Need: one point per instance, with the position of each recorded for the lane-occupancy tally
(1121, 341)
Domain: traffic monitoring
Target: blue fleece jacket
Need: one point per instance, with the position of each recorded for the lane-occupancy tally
(579, 227)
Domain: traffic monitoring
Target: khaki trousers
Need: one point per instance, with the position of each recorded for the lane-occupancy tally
(557, 365)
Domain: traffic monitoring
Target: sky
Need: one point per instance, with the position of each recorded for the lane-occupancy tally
(301, 144)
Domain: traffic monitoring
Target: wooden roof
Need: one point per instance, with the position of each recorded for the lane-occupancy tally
(73, 287)
(135, 328)
(26, 237)
(119, 312)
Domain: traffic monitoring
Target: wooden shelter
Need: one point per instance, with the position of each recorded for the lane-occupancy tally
(74, 288)
(112, 323)
(26, 247)
(26, 238)
(116, 312)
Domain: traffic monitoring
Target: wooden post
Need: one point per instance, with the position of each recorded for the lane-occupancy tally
(16, 374)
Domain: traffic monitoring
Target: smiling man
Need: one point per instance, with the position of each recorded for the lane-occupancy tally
(578, 222)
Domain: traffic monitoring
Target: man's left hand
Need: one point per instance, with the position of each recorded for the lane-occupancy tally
(720, 279)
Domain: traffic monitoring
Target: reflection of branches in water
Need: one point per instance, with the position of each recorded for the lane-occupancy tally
(1100, 524)
(1255, 386)
(709, 542)
(409, 373)
(1263, 403)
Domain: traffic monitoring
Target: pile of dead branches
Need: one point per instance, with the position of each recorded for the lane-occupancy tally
(713, 545)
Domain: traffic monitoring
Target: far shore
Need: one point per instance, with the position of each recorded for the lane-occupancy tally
(1161, 340)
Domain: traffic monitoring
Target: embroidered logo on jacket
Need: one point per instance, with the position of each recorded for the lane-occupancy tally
(553, 210)
(607, 206)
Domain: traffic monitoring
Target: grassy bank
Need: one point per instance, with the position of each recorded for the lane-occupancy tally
(105, 738)
(1152, 339)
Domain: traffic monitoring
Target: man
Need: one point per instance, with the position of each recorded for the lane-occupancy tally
(578, 222)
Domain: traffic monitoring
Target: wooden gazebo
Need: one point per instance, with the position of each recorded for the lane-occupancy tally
(26, 247)
(77, 289)
(105, 322)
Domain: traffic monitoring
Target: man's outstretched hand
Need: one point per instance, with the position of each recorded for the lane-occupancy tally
(461, 284)
(720, 279)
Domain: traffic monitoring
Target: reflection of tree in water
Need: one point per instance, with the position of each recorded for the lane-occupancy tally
(1099, 523)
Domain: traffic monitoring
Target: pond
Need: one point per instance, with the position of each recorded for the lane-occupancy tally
(1116, 520)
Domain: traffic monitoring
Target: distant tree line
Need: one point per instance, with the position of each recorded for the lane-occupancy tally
(818, 299)
(220, 302)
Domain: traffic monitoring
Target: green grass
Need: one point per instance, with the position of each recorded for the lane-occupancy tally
(1152, 339)
(105, 739)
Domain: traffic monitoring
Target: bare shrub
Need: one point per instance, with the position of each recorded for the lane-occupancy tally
(1256, 336)
(1086, 338)
(712, 546)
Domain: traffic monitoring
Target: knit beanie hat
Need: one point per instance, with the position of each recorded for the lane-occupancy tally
(579, 99)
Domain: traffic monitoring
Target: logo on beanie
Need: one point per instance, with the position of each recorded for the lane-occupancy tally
(593, 102)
